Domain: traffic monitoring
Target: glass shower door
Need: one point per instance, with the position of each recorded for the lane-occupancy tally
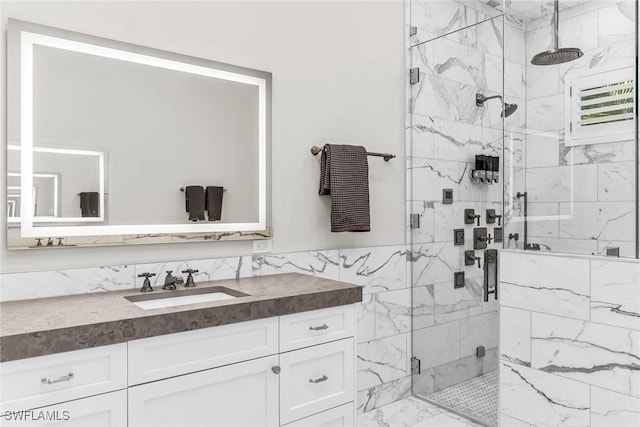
(455, 332)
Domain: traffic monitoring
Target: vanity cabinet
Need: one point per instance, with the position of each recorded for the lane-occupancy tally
(295, 370)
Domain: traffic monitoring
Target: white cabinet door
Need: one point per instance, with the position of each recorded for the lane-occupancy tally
(243, 395)
(105, 410)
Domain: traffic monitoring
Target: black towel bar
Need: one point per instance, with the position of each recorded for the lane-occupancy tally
(315, 150)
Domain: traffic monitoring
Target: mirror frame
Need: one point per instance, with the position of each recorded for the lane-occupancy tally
(22, 36)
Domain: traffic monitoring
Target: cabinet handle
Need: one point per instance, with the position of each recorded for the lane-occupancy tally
(318, 328)
(61, 379)
(319, 380)
(276, 369)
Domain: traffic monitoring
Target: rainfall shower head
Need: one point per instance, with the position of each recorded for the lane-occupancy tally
(507, 109)
(556, 55)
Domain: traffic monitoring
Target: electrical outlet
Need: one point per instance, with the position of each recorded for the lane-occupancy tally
(261, 246)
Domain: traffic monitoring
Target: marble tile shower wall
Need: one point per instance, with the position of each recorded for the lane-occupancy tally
(582, 198)
(446, 131)
(384, 316)
(569, 341)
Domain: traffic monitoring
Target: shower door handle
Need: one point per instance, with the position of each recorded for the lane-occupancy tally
(490, 266)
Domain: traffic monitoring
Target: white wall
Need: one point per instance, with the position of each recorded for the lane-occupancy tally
(338, 76)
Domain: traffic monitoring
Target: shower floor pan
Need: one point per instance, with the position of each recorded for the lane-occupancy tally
(476, 399)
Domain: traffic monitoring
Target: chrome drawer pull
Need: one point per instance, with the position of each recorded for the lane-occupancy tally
(318, 328)
(58, 380)
(319, 380)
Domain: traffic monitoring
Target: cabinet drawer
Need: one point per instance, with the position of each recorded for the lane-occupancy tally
(45, 380)
(166, 356)
(315, 379)
(316, 327)
(342, 416)
(104, 410)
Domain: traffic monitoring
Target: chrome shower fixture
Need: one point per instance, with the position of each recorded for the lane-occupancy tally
(507, 109)
(556, 55)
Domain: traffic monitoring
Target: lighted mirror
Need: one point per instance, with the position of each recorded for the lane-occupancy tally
(166, 122)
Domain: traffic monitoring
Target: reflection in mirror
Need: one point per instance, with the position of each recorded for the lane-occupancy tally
(165, 121)
(82, 173)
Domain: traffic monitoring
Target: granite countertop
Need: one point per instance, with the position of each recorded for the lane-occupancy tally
(36, 327)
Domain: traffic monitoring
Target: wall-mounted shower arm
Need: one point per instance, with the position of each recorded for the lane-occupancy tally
(481, 99)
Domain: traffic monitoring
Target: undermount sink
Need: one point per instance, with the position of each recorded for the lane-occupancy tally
(184, 297)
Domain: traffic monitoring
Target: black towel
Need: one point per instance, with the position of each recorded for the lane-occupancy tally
(194, 198)
(90, 204)
(213, 204)
(344, 174)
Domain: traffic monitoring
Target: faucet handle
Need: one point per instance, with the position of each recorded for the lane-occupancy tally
(190, 282)
(146, 285)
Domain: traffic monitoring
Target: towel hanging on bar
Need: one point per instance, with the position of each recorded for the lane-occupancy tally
(344, 175)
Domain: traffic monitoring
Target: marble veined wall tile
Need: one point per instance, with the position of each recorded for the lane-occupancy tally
(434, 263)
(543, 150)
(458, 62)
(447, 348)
(543, 220)
(514, 43)
(429, 177)
(42, 284)
(623, 151)
(545, 271)
(597, 220)
(461, 142)
(426, 211)
(314, 263)
(393, 313)
(617, 19)
(365, 318)
(383, 394)
(542, 399)
(617, 181)
(545, 113)
(422, 300)
(615, 293)
(381, 361)
(422, 135)
(446, 99)
(610, 409)
(515, 336)
(596, 354)
(376, 268)
(563, 184)
(490, 38)
(547, 299)
(435, 18)
(453, 304)
(627, 249)
(554, 285)
(476, 331)
(567, 246)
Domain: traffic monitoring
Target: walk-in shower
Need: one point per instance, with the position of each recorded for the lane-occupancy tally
(568, 180)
